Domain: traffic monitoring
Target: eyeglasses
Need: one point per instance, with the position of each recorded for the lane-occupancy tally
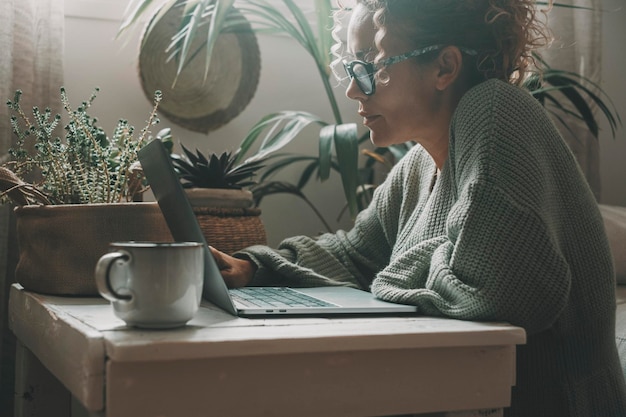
(363, 72)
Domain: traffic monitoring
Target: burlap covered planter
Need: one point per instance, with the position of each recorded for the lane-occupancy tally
(231, 229)
(60, 245)
(227, 218)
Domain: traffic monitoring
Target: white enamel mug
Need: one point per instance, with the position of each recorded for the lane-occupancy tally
(153, 285)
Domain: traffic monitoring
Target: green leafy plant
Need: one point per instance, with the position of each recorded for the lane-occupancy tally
(579, 94)
(339, 144)
(85, 167)
(215, 170)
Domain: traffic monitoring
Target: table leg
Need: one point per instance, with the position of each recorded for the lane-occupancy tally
(37, 391)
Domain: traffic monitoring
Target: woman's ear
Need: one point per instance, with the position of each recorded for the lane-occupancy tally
(450, 64)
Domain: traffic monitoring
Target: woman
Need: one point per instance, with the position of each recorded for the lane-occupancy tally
(487, 218)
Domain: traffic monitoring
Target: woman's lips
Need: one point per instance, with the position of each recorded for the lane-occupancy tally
(368, 119)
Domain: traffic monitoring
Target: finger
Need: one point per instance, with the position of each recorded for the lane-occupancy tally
(219, 258)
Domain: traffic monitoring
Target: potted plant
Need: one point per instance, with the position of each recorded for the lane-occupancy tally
(339, 142)
(83, 199)
(216, 180)
(565, 93)
(218, 186)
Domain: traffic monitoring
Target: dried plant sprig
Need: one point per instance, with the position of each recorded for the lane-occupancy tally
(86, 166)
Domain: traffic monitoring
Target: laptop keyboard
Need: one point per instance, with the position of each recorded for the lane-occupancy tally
(277, 297)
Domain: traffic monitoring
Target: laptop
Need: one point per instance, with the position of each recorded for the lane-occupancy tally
(181, 220)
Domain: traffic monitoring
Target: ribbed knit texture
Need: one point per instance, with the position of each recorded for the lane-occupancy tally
(511, 232)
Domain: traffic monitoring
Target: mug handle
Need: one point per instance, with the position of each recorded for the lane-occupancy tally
(103, 269)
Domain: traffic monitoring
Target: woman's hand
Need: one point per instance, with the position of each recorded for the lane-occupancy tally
(235, 271)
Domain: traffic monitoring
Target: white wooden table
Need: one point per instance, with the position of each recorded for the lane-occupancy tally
(221, 365)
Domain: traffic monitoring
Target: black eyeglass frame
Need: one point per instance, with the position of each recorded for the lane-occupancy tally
(371, 68)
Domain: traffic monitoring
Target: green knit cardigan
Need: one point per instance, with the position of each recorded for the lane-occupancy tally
(510, 232)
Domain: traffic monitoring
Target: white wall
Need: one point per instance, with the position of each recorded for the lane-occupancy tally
(288, 82)
(93, 58)
(613, 151)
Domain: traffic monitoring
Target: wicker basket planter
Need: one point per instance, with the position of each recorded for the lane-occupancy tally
(61, 244)
(227, 218)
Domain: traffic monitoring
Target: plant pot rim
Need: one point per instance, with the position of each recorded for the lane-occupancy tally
(82, 207)
(89, 204)
(220, 197)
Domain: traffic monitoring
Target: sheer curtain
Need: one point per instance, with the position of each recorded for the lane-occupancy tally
(578, 47)
(31, 48)
(31, 41)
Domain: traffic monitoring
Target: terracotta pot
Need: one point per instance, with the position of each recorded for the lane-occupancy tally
(61, 244)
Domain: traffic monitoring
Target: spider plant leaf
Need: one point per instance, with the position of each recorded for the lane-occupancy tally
(611, 115)
(347, 148)
(191, 20)
(220, 11)
(254, 133)
(284, 162)
(576, 80)
(577, 100)
(283, 127)
(295, 27)
(265, 15)
(325, 23)
(133, 11)
(365, 137)
(197, 13)
(284, 136)
(364, 197)
(565, 124)
(281, 187)
(238, 179)
(326, 139)
(310, 42)
(275, 187)
(246, 170)
(557, 105)
(564, 5)
(307, 173)
(558, 111)
(303, 34)
(589, 81)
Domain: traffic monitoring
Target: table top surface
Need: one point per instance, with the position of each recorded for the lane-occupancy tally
(78, 338)
(214, 333)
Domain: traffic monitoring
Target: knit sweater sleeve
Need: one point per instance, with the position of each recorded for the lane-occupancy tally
(498, 258)
(349, 258)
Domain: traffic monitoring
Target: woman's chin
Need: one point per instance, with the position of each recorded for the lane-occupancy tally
(381, 141)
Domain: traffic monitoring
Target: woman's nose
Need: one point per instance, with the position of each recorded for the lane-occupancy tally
(353, 91)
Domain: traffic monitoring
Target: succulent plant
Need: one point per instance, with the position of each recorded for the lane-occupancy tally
(197, 170)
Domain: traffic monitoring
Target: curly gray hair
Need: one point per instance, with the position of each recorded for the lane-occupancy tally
(506, 33)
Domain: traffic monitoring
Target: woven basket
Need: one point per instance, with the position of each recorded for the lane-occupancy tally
(61, 244)
(231, 229)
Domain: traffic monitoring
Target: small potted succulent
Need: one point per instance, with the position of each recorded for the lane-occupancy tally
(218, 188)
(217, 180)
(82, 197)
